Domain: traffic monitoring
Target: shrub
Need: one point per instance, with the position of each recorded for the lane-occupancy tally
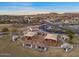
(5, 29)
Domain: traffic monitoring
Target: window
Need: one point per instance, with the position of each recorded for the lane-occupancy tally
(62, 37)
(28, 45)
(42, 47)
(39, 47)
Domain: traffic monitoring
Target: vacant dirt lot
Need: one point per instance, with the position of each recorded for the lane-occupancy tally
(9, 48)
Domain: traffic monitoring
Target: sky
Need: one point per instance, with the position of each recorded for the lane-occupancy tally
(37, 7)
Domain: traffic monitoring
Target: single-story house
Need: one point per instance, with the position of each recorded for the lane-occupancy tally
(36, 41)
(40, 40)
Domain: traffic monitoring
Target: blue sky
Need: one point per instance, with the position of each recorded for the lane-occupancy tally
(32, 7)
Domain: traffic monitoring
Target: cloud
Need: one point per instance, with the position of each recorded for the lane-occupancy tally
(20, 10)
(16, 6)
(24, 9)
(30, 8)
(21, 13)
(22, 3)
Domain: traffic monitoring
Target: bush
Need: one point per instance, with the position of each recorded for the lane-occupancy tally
(70, 34)
(5, 29)
(14, 30)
